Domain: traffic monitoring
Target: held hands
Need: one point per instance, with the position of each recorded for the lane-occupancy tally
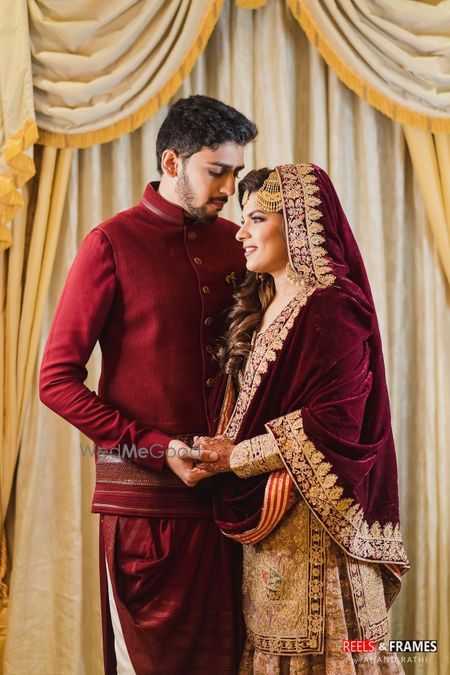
(222, 446)
(180, 458)
(207, 457)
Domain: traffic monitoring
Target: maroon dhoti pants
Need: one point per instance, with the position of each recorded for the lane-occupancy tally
(177, 589)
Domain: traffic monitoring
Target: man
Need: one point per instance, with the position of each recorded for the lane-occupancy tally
(151, 285)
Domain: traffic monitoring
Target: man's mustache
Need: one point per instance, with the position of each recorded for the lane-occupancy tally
(218, 199)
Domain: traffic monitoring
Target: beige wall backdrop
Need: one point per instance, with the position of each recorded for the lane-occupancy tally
(262, 63)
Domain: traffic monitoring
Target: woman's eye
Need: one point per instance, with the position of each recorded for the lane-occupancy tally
(216, 175)
(257, 219)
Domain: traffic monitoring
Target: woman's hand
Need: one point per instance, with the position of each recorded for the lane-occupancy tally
(222, 445)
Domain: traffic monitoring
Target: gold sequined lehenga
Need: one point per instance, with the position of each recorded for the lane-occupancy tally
(316, 572)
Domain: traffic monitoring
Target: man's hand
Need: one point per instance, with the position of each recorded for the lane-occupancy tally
(180, 459)
(220, 445)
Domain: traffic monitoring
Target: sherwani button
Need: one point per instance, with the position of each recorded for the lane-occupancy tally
(206, 289)
(210, 381)
(192, 235)
(208, 321)
(198, 261)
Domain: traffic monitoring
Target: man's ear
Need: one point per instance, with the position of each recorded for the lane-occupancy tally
(170, 163)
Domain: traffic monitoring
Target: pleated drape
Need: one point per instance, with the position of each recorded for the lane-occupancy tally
(430, 154)
(26, 273)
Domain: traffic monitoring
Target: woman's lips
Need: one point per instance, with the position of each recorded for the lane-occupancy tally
(248, 250)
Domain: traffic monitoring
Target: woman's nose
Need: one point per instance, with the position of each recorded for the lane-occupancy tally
(242, 233)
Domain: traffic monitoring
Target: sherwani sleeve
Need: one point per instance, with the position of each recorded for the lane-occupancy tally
(79, 319)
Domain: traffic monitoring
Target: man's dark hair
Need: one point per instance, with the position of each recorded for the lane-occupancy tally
(200, 121)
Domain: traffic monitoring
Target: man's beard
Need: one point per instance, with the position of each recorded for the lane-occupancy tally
(186, 195)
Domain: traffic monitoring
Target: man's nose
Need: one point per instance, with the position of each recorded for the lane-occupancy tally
(228, 186)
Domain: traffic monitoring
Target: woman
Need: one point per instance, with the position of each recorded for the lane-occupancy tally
(305, 428)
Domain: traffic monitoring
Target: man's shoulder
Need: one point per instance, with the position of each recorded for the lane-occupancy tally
(119, 221)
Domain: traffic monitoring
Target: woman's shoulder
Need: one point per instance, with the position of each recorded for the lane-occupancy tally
(336, 306)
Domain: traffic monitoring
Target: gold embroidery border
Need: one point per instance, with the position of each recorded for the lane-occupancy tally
(359, 578)
(342, 517)
(308, 257)
(302, 219)
(313, 642)
(255, 456)
(265, 350)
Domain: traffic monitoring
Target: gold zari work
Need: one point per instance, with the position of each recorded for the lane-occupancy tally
(269, 195)
(284, 586)
(304, 231)
(341, 622)
(256, 455)
(343, 518)
(264, 351)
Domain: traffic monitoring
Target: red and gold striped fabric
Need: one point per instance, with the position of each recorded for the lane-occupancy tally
(276, 503)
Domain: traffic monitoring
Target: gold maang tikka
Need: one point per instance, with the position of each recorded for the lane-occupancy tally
(269, 194)
(269, 198)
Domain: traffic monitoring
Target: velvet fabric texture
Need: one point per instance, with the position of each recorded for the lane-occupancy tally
(150, 286)
(327, 375)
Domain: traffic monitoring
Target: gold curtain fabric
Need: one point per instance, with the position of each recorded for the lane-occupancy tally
(430, 154)
(24, 281)
(54, 597)
(28, 269)
(101, 69)
(395, 55)
(18, 129)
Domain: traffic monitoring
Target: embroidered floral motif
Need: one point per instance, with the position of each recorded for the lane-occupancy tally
(284, 586)
(342, 517)
(256, 455)
(367, 588)
(302, 219)
(272, 579)
(264, 351)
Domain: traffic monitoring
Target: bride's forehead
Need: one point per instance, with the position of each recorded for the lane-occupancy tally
(250, 204)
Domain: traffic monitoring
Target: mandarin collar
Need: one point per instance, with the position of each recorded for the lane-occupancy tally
(154, 202)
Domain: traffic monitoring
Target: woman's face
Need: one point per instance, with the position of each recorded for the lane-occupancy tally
(262, 239)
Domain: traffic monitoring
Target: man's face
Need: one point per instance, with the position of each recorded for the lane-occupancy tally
(207, 179)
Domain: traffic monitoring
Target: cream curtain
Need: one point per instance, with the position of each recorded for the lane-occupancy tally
(101, 69)
(430, 154)
(309, 117)
(25, 279)
(18, 129)
(396, 55)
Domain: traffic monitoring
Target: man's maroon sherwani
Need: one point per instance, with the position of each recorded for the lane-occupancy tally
(151, 285)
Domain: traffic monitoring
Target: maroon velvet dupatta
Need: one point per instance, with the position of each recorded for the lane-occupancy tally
(319, 389)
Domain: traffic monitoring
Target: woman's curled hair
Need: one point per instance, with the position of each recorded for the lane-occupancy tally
(252, 298)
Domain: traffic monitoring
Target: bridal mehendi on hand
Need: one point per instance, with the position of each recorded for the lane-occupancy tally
(224, 447)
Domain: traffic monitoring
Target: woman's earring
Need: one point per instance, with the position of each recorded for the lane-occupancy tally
(293, 277)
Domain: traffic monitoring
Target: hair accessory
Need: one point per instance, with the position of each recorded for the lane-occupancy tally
(269, 195)
(245, 197)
